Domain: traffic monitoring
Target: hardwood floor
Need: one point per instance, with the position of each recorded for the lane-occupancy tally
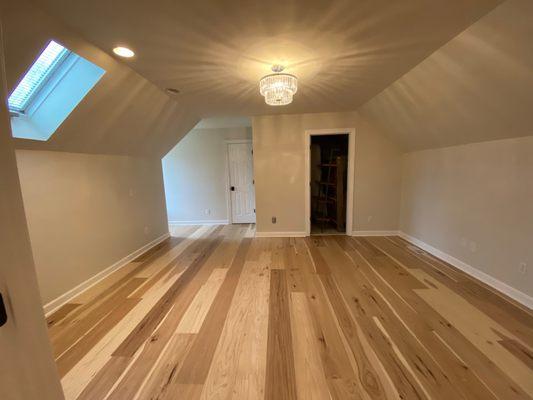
(215, 313)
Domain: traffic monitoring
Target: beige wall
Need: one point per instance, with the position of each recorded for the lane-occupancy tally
(27, 368)
(279, 162)
(195, 175)
(475, 202)
(86, 212)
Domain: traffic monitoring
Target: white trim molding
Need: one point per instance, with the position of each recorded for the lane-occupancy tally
(199, 222)
(491, 281)
(281, 234)
(350, 178)
(375, 233)
(53, 305)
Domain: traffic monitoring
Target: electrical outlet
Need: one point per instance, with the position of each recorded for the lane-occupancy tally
(369, 218)
(523, 268)
(274, 220)
(146, 230)
(473, 247)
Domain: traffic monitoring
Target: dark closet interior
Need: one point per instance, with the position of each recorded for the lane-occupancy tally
(329, 166)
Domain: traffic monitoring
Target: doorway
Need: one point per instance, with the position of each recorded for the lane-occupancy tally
(241, 182)
(329, 170)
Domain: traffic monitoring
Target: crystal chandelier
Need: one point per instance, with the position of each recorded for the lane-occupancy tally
(278, 88)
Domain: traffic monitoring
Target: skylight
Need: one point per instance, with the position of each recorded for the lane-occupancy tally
(55, 84)
(38, 74)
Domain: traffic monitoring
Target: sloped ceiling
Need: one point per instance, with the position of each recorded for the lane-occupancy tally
(478, 87)
(344, 51)
(410, 68)
(123, 114)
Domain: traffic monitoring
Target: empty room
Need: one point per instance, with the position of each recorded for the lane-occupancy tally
(299, 200)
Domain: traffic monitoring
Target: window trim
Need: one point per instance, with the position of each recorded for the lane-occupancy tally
(34, 94)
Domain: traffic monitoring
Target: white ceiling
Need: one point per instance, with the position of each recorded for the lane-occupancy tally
(344, 52)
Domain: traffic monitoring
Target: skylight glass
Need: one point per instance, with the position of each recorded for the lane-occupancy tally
(38, 74)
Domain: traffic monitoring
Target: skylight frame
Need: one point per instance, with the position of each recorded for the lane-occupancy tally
(36, 85)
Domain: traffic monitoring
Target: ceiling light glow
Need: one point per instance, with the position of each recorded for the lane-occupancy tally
(123, 52)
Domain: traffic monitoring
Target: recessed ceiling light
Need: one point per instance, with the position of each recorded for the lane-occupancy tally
(123, 52)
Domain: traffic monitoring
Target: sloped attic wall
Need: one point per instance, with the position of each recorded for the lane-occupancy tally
(477, 87)
(123, 114)
(469, 193)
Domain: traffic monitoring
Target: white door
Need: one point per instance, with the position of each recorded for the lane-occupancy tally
(241, 182)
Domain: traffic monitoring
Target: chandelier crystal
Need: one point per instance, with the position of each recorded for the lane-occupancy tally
(278, 88)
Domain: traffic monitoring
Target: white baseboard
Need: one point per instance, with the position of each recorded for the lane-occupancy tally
(52, 306)
(199, 222)
(280, 234)
(500, 286)
(375, 233)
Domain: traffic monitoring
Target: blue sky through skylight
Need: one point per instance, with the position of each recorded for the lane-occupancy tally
(39, 72)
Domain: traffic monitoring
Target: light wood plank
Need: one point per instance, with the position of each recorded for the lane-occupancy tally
(239, 364)
(162, 381)
(310, 378)
(198, 361)
(195, 314)
(159, 339)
